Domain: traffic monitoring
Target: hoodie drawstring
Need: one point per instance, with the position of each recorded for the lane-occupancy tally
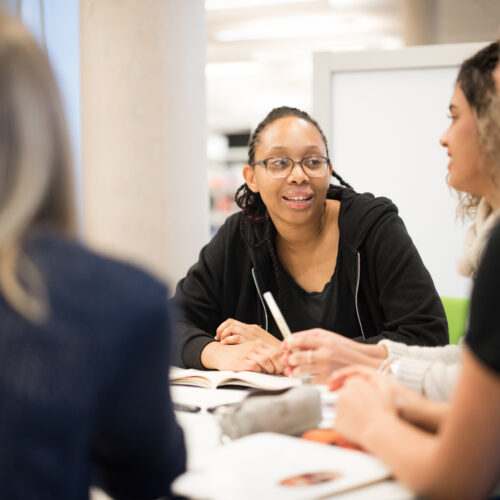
(260, 297)
(358, 277)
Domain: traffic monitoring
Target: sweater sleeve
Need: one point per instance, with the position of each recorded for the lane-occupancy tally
(411, 308)
(447, 354)
(431, 371)
(434, 379)
(197, 303)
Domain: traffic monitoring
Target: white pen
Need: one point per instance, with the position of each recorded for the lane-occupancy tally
(278, 317)
(284, 328)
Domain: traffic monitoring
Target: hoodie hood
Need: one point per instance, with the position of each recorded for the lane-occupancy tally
(359, 214)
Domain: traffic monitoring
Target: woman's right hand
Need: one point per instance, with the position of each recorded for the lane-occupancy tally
(254, 355)
(412, 407)
(319, 352)
(363, 402)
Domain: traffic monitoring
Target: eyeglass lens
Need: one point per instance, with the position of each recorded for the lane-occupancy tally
(313, 166)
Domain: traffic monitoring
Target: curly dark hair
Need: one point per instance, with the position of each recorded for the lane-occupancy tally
(254, 209)
(475, 78)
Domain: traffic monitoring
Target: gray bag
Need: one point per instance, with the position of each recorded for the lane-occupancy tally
(290, 412)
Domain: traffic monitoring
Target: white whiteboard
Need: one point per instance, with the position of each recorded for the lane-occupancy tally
(383, 126)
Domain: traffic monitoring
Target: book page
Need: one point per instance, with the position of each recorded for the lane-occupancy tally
(268, 465)
(214, 379)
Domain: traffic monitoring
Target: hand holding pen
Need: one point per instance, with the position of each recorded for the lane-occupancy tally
(287, 336)
(316, 352)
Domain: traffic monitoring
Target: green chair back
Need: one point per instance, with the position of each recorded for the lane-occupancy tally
(456, 313)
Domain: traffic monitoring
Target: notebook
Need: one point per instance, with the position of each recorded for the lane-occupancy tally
(214, 379)
(268, 465)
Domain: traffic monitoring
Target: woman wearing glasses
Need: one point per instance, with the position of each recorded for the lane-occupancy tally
(333, 259)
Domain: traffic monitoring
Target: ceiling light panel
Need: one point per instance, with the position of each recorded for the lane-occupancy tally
(238, 4)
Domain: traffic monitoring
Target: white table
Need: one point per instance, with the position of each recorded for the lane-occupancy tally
(202, 433)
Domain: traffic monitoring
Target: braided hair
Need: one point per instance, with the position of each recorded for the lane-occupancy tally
(254, 209)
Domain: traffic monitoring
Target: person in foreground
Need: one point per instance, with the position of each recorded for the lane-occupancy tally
(332, 258)
(461, 460)
(475, 173)
(84, 340)
(450, 450)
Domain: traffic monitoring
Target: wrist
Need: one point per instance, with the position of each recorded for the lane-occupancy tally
(389, 367)
(278, 344)
(374, 351)
(356, 353)
(209, 355)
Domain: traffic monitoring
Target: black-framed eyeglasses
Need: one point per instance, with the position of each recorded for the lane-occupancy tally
(280, 167)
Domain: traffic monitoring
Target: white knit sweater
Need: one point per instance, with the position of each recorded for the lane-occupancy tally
(433, 371)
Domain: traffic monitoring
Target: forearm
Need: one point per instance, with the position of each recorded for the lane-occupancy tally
(357, 353)
(366, 355)
(376, 354)
(407, 450)
(426, 414)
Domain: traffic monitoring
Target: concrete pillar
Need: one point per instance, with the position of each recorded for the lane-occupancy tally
(145, 194)
(420, 22)
(11, 7)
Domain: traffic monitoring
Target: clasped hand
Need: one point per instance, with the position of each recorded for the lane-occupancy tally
(252, 348)
(232, 332)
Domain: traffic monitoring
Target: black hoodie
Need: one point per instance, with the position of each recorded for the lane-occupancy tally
(394, 294)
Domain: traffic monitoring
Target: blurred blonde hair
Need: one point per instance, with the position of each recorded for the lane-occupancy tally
(36, 187)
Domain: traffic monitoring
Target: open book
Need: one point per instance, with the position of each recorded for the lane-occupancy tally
(268, 465)
(214, 379)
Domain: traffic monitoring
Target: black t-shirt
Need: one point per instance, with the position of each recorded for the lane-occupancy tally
(484, 330)
(329, 309)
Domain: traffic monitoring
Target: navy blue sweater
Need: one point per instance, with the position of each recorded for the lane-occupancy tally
(84, 397)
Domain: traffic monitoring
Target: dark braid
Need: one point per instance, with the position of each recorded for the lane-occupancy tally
(254, 209)
(341, 181)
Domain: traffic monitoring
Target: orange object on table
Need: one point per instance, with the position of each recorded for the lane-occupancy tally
(330, 436)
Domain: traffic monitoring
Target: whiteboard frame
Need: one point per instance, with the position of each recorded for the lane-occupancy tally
(327, 64)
